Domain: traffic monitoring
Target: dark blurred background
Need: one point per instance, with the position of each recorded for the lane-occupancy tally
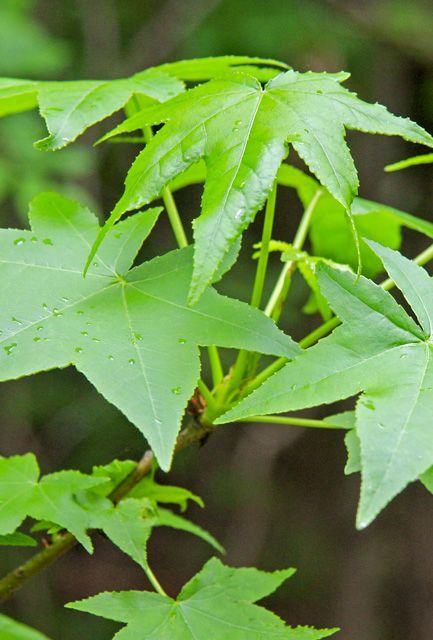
(275, 496)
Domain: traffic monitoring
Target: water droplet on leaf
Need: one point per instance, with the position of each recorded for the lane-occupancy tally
(176, 390)
(9, 348)
(19, 241)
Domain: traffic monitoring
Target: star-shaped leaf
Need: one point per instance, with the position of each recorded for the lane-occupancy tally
(79, 502)
(242, 131)
(217, 603)
(381, 351)
(53, 498)
(132, 334)
(70, 107)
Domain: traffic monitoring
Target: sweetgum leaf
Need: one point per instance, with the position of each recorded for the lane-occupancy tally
(69, 108)
(330, 232)
(242, 131)
(53, 498)
(217, 603)
(381, 351)
(199, 69)
(17, 95)
(12, 630)
(123, 330)
(18, 476)
(426, 158)
(78, 502)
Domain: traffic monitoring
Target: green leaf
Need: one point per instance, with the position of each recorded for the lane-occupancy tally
(311, 110)
(18, 476)
(78, 502)
(331, 233)
(53, 498)
(164, 493)
(12, 630)
(200, 69)
(17, 539)
(117, 470)
(378, 350)
(69, 108)
(427, 479)
(353, 446)
(17, 95)
(127, 526)
(123, 331)
(426, 158)
(165, 518)
(217, 603)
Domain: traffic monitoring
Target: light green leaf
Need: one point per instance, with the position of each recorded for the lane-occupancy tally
(127, 526)
(13, 630)
(17, 95)
(198, 69)
(17, 539)
(164, 493)
(55, 499)
(18, 476)
(165, 518)
(331, 233)
(69, 108)
(78, 502)
(311, 110)
(217, 603)
(353, 446)
(115, 472)
(123, 331)
(378, 350)
(427, 479)
(426, 158)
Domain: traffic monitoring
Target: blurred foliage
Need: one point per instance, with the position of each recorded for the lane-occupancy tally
(377, 585)
(27, 50)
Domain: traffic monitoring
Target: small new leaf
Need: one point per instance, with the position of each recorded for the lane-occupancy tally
(381, 351)
(217, 603)
(309, 110)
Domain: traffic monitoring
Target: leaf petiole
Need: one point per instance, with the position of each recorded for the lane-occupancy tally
(279, 294)
(154, 581)
(297, 422)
